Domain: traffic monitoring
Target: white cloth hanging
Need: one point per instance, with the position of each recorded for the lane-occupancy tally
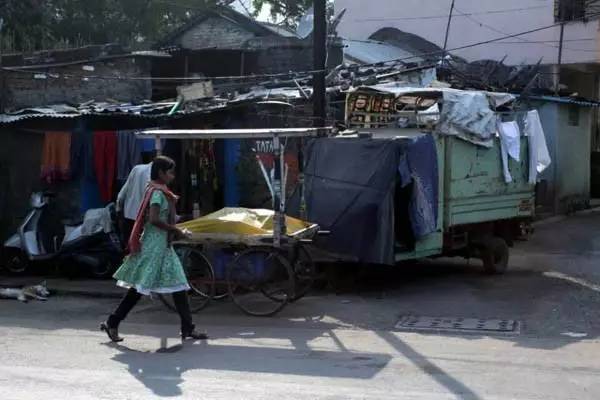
(539, 157)
(510, 145)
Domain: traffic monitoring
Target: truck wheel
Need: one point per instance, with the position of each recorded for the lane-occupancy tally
(16, 262)
(494, 254)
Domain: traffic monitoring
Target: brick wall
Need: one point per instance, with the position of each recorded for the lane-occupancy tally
(23, 90)
(215, 33)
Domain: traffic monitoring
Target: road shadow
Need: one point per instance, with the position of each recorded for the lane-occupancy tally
(162, 371)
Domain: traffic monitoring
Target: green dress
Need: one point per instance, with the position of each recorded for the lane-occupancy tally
(156, 268)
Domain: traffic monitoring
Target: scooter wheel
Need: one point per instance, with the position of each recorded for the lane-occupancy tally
(16, 262)
(103, 271)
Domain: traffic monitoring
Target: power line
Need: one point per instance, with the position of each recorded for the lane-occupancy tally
(241, 2)
(446, 16)
(468, 46)
(480, 23)
(299, 73)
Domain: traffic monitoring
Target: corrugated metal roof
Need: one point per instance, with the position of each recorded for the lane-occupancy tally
(369, 52)
(566, 100)
(146, 110)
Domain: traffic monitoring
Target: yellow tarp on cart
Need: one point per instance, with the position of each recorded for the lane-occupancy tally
(241, 221)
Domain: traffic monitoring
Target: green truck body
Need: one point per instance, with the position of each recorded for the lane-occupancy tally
(472, 191)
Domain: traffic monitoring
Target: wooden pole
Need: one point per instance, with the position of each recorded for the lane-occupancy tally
(320, 59)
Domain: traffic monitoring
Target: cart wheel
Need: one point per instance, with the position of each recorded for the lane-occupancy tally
(305, 272)
(200, 276)
(494, 254)
(261, 281)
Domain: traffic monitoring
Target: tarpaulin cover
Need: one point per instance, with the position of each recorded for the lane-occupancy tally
(241, 221)
(349, 190)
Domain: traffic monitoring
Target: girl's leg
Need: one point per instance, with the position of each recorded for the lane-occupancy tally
(187, 325)
(185, 314)
(128, 302)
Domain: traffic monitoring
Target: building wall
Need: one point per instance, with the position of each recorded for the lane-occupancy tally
(487, 19)
(573, 159)
(71, 86)
(214, 33)
(567, 180)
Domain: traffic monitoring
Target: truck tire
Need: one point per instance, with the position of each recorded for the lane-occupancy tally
(495, 255)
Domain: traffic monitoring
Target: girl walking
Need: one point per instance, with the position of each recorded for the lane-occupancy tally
(152, 265)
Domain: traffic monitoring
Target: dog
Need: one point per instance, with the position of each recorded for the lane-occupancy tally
(37, 292)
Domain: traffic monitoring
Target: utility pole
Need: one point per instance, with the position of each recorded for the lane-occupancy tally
(448, 26)
(320, 59)
(2, 85)
(560, 51)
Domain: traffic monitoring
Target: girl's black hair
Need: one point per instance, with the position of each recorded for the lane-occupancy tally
(161, 163)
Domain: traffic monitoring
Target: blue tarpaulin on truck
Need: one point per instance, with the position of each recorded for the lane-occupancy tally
(350, 190)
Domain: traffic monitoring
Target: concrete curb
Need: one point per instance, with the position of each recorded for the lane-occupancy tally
(559, 218)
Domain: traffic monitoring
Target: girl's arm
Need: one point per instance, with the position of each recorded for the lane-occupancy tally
(154, 218)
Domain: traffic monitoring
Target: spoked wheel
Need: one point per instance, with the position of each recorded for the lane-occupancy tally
(200, 278)
(305, 272)
(261, 281)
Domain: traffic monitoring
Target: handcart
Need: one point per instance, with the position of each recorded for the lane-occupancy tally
(264, 271)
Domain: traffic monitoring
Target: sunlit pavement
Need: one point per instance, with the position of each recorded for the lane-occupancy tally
(337, 347)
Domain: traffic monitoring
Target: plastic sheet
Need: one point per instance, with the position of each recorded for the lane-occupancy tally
(241, 221)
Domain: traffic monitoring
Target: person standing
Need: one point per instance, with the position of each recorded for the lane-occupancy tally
(130, 198)
(152, 265)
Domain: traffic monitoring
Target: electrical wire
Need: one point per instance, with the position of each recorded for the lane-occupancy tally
(241, 2)
(383, 19)
(299, 73)
(493, 29)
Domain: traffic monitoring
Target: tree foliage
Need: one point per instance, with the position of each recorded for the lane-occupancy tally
(287, 10)
(47, 24)
(40, 24)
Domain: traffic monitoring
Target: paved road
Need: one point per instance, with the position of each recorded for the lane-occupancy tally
(337, 347)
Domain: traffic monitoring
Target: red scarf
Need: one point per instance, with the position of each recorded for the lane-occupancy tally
(135, 243)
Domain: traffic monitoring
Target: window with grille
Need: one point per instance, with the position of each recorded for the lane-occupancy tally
(575, 10)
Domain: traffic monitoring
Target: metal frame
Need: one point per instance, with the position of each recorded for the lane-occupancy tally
(275, 134)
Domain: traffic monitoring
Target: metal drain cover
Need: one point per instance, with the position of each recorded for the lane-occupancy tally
(460, 325)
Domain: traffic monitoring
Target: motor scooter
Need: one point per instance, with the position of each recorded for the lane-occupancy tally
(92, 244)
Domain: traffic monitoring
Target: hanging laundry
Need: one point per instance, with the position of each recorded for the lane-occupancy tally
(90, 195)
(149, 145)
(129, 152)
(539, 157)
(105, 162)
(56, 156)
(510, 145)
(82, 152)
